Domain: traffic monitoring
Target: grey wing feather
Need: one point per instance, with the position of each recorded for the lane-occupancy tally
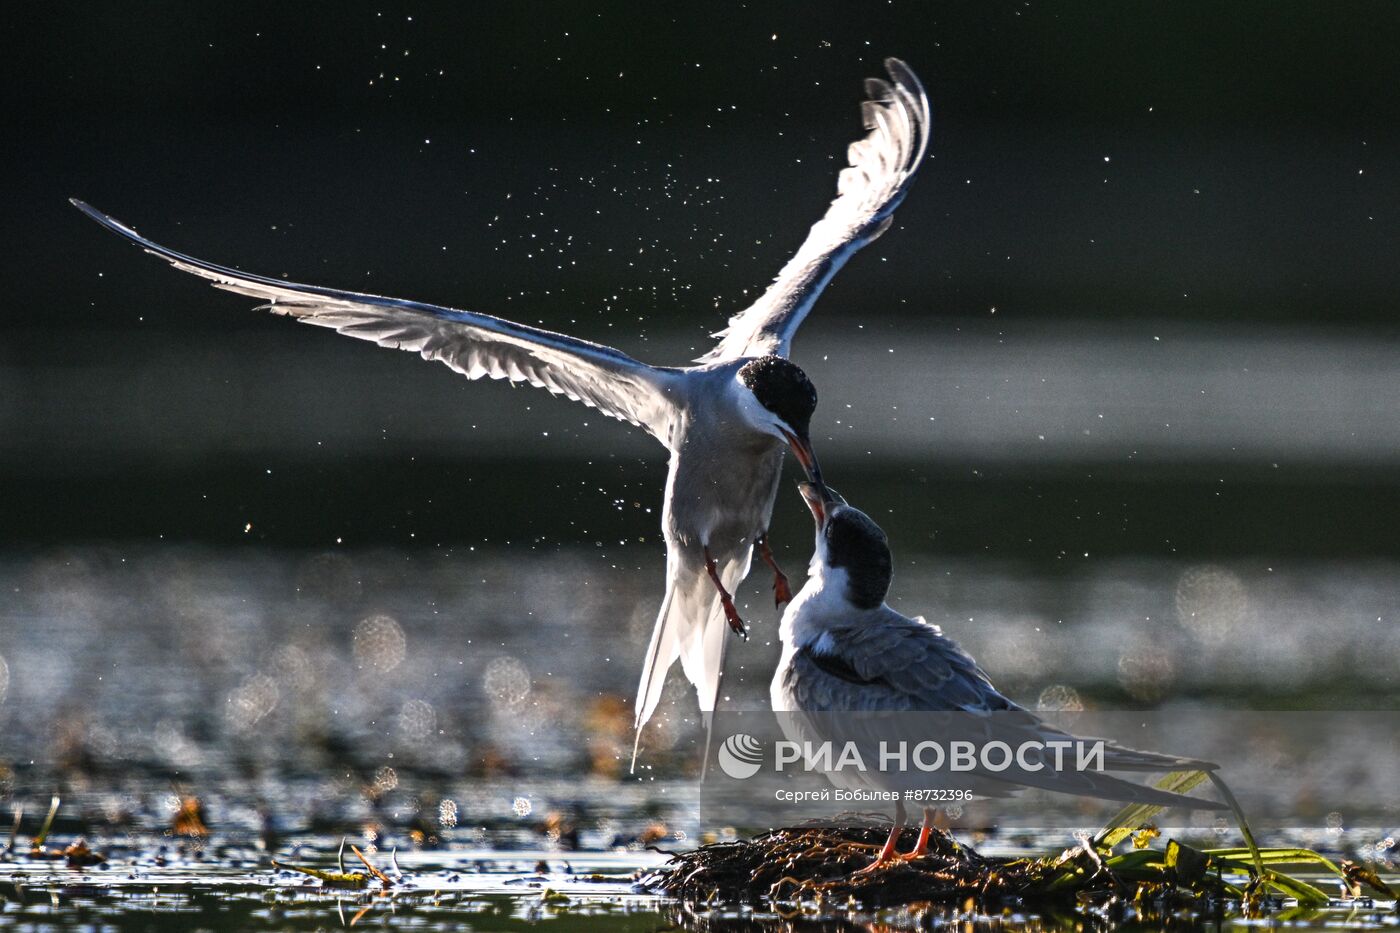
(474, 345)
(909, 664)
(887, 662)
(917, 667)
(882, 167)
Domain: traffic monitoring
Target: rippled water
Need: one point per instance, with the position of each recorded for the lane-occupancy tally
(232, 888)
(503, 662)
(469, 710)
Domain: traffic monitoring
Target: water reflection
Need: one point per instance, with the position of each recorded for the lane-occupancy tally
(490, 663)
(547, 903)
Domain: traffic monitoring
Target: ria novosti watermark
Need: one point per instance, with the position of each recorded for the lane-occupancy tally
(1065, 769)
(741, 756)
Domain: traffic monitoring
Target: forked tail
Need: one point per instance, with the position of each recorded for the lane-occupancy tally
(690, 626)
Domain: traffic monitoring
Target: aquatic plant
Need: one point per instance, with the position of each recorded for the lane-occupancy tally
(342, 878)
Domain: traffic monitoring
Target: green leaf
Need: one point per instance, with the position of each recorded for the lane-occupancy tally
(1276, 857)
(1306, 894)
(1134, 816)
(333, 879)
(1138, 858)
(1188, 864)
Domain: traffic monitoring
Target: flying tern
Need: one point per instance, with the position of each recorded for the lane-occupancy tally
(846, 651)
(726, 420)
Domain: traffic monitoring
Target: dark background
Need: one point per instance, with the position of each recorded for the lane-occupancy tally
(1102, 175)
(1120, 382)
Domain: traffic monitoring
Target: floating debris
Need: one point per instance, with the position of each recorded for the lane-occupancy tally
(80, 855)
(189, 818)
(347, 879)
(331, 879)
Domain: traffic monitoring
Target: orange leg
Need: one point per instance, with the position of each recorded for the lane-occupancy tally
(887, 854)
(782, 592)
(731, 614)
(925, 830)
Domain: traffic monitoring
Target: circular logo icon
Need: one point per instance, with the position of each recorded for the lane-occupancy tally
(741, 756)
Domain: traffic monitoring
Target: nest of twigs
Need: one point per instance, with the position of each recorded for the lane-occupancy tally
(824, 863)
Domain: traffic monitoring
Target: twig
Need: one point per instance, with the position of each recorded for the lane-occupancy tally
(14, 828)
(379, 875)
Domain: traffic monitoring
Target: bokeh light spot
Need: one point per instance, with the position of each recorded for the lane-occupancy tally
(378, 643)
(1059, 698)
(417, 720)
(386, 779)
(506, 681)
(251, 701)
(1211, 602)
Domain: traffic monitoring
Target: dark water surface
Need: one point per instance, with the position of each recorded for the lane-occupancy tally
(231, 890)
(468, 709)
(196, 662)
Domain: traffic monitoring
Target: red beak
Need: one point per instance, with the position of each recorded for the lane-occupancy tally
(802, 449)
(815, 497)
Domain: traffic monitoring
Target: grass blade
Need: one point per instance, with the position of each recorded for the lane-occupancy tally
(1128, 820)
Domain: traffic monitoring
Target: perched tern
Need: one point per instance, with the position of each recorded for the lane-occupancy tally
(846, 651)
(725, 420)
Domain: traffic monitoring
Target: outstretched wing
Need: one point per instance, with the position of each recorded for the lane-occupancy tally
(882, 168)
(474, 345)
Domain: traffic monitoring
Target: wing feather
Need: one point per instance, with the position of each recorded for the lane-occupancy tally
(889, 663)
(908, 664)
(474, 345)
(882, 166)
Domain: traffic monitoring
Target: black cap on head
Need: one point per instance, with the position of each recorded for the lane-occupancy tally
(859, 546)
(783, 388)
